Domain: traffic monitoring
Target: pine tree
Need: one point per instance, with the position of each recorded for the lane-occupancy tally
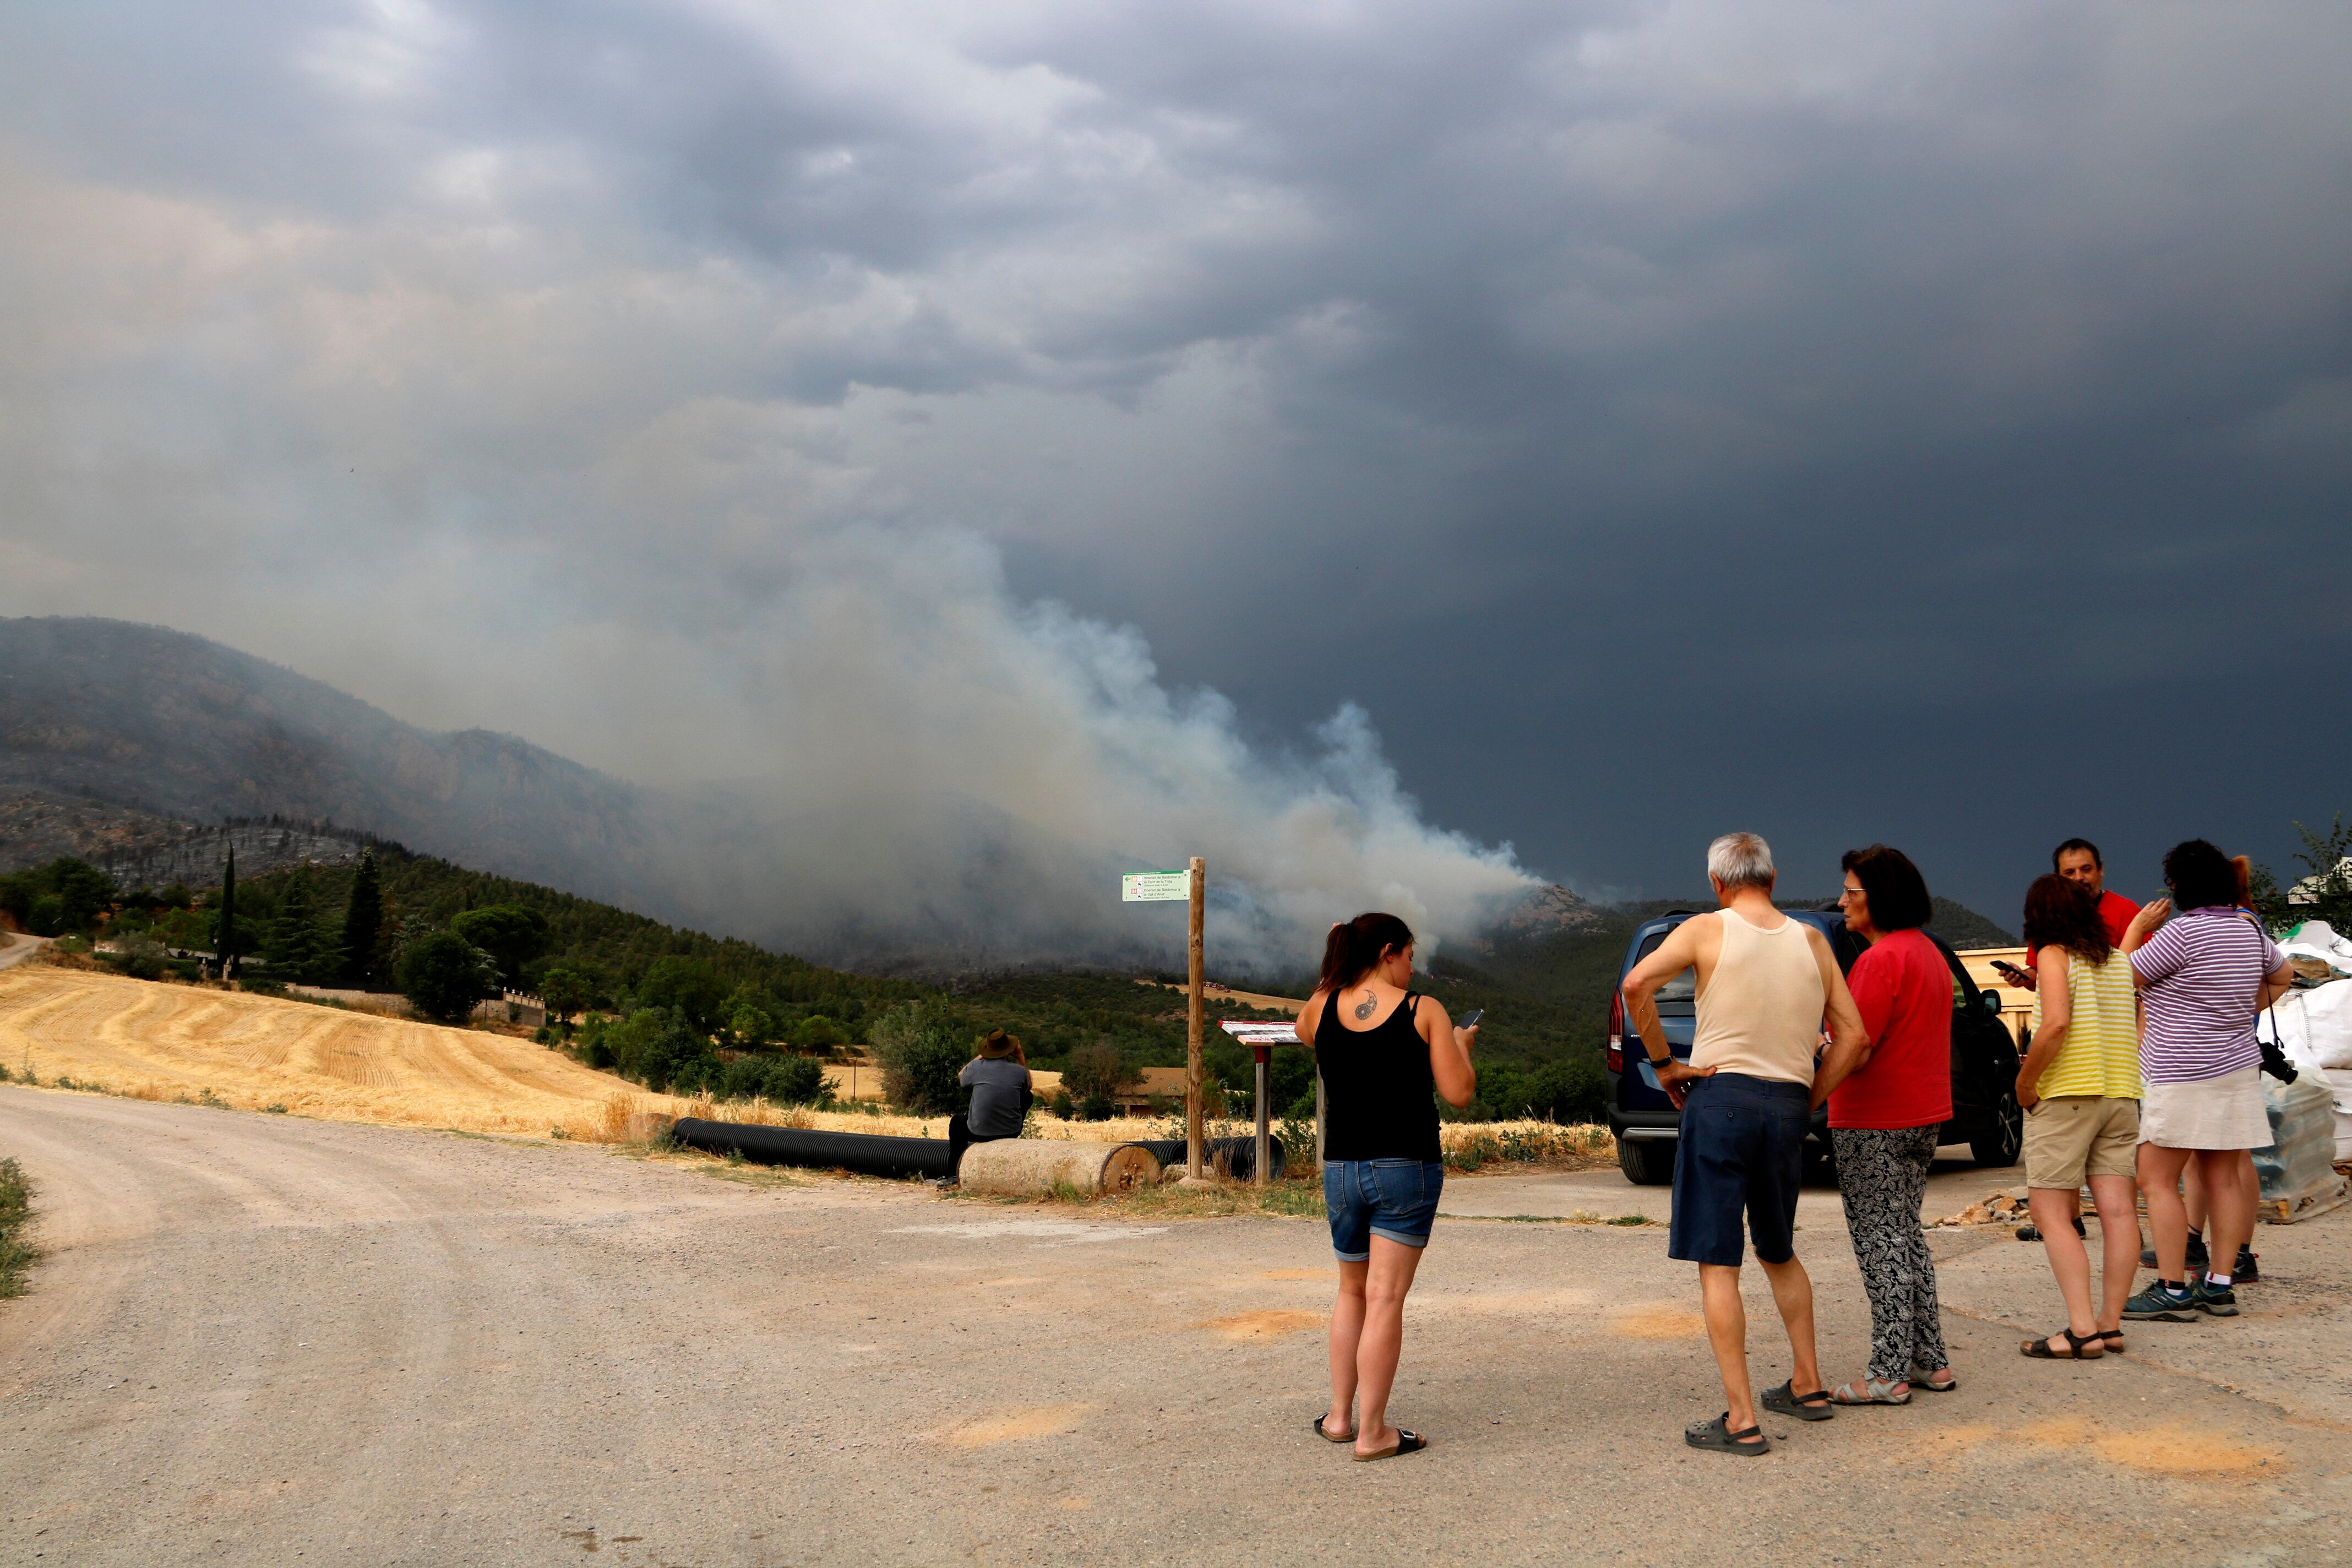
(225, 940)
(362, 918)
(298, 941)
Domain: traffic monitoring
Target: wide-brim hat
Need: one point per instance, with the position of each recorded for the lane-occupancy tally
(999, 1044)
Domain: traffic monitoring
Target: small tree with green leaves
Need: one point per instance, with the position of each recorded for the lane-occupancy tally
(443, 975)
(514, 935)
(922, 1057)
(2325, 894)
(565, 991)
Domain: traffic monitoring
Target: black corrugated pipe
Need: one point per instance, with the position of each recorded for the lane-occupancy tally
(867, 1153)
(1240, 1155)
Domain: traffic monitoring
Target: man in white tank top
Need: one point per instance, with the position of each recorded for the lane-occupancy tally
(1767, 987)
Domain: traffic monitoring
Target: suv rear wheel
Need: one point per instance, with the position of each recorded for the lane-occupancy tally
(1646, 1162)
(2004, 1136)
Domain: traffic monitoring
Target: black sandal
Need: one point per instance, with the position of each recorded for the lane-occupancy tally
(1406, 1443)
(1332, 1437)
(2114, 1338)
(1813, 1406)
(2039, 1349)
(1717, 1436)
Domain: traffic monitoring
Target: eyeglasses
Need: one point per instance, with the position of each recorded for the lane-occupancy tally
(1845, 893)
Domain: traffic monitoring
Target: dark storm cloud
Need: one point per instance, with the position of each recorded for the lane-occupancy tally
(1585, 389)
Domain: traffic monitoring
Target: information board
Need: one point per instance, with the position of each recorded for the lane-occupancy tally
(1155, 887)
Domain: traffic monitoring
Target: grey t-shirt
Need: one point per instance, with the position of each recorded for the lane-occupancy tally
(996, 1084)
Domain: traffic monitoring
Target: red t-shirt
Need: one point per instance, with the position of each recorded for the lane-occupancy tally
(2115, 913)
(1903, 989)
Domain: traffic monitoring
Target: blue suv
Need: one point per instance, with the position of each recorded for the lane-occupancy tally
(1985, 1114)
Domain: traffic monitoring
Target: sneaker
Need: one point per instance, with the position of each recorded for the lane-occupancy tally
(2221, 1303)
(2246, 1272)
(2158, 1305)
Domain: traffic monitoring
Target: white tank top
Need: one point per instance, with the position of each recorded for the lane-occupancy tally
(1760, 1012)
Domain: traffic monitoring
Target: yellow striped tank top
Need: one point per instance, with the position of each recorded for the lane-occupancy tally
(2101, 1055)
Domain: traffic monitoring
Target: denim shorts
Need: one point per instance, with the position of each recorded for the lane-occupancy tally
(1742, 1148)
(1394, 1198)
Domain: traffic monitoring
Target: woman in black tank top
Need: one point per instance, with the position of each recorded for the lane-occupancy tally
(1382, 1051)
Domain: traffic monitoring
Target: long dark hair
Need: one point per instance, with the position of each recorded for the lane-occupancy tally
(2060, 913)
(1354, 946)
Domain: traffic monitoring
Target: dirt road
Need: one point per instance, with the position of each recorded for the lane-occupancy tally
(262, 1339)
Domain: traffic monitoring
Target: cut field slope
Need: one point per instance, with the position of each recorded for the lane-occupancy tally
(163, 1042)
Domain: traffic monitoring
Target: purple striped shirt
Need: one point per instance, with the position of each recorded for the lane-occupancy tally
(2202, 970)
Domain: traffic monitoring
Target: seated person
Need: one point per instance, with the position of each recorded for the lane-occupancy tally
(1000, 1097)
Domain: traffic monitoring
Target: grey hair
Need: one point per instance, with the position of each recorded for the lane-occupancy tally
(1740, 860)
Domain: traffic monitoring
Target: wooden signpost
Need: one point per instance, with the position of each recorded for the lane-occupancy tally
(1165, 886)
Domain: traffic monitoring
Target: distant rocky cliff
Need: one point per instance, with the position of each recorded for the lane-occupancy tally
(173, 727)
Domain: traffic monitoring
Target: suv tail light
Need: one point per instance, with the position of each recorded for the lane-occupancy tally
(1616, 1031)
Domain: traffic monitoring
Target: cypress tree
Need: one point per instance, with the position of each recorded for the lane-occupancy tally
(225, 940)
(362, 918)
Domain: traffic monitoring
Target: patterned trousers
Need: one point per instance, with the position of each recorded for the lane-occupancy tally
(1883, 1177)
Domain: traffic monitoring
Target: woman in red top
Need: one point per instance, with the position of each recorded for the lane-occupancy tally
(1886, 1118)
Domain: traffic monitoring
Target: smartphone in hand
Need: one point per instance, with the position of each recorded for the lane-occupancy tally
(2008, 972)
(1470, 1020)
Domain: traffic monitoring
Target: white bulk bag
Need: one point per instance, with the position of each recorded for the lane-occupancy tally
(2313, 1026)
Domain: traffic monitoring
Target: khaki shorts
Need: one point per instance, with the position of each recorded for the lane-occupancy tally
(2076, 1136)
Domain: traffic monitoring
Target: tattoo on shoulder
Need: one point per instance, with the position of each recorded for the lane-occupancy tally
(1368, 1006)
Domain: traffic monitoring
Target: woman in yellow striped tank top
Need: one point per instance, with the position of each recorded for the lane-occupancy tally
(2080, 1086)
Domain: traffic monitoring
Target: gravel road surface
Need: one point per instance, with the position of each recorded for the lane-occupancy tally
(258, 1339)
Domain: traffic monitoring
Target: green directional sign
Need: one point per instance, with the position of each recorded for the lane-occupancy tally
(1155, 887)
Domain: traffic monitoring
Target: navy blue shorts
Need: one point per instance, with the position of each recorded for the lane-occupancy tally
(1394, 1198)
(1742, 1149)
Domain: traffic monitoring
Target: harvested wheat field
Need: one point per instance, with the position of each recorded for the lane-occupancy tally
(168, 1042)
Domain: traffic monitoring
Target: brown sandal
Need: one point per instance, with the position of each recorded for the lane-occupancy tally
(2079, 1347)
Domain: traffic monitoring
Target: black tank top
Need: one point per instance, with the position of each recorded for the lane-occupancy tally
(1378, 1098)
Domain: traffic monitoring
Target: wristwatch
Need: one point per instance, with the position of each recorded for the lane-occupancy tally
(1657, 1062)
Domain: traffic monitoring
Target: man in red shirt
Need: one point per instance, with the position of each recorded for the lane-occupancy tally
(2078, 861)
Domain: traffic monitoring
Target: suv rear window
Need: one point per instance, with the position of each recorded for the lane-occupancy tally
(1678, 997)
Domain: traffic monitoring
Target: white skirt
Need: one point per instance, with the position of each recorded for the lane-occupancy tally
(2223, 1113)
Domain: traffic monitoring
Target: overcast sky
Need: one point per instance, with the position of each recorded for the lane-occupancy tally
(1928, 423)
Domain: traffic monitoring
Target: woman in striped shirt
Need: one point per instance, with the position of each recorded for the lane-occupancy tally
(2203, 978)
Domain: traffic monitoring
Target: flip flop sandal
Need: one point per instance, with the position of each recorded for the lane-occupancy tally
(1406, 1443)
(1717, 1437)
(1873, 1393)
(1332, 1437)
(1813, 1406)
(1920, 1381)
(2076, 1345)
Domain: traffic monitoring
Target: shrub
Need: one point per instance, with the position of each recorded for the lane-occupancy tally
(1095, 1108)
(798, 1080)
(443, 975)
(17, 1254)
(140, 959)
(922, 1057)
